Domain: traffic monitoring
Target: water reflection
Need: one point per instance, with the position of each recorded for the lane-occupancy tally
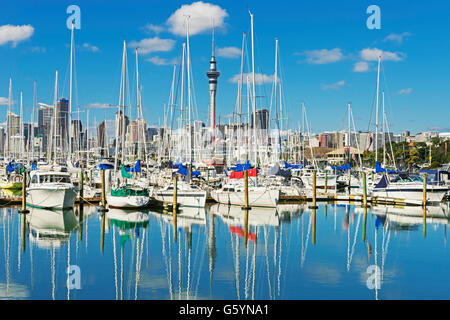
(223, 252)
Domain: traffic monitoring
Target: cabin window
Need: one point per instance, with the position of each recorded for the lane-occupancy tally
(34, 179)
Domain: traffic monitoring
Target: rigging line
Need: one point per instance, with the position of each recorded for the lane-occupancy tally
(357, 143)
(306, 242)
(354, 242)
(391, 115)
(267, 263)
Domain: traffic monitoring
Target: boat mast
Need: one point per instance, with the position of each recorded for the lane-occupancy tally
(188, 60)
(253, 87)
(32, 123)
(240, 96)
(8, 119)
(384, 130)
(123, 99)
(376, 116)
(53, 130)
(21, 126)
(70, 93)
(275, 84)
(182, 97)
(349, 134)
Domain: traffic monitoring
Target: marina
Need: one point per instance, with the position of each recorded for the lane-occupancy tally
(291, 252)
(188, 183)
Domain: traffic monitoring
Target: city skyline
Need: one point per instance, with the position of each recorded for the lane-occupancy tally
(320, 65)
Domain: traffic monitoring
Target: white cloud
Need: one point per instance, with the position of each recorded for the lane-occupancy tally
(90, 47)
(15, 34)
(397, 37)
(372, 54)
(361, 66)
(99, 105)
(324, 56)
(228, 52)
(259, 78)
(152, 28)
(3, 101)
(404, 91)
(201, 18)
(333, 86)
(162, 61)
(155, 44)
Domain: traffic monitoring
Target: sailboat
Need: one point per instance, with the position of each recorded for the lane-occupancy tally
(232, 193)
(188, 194)
(124, 195)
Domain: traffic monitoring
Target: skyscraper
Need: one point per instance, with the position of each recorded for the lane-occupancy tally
(45, 117)
(62, 122)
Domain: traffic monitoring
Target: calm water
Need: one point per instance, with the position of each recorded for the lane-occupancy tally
(290, 253)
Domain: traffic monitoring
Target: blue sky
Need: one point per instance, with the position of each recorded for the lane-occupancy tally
(322, 46)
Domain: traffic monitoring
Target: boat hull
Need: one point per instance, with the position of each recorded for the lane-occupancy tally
(127, 202)
(256, 198)
(51, 198)
(184, 198)
(412, 196)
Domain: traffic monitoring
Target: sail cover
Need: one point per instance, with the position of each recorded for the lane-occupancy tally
(346, 167)
(379, 169)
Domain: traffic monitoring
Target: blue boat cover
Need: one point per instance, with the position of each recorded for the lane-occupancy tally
(346, 167)
(104, 166)
(239, 167)
(379, 169)
(137, 167)
(293, 166)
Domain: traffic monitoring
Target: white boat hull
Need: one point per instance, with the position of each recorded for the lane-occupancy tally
(127, 202)
(408, 196)
(54, 198)
(256, 198)
(185, 198)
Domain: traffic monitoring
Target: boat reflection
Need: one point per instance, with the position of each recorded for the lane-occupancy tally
(50, 228)
(233, 215)
(405, 218)
(130, 226)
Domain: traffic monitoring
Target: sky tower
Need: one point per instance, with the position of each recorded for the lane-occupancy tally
(212, 75)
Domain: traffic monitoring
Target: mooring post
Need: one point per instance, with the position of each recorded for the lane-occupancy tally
(103, 204)
(364, 190)
(364, 224)
(424, 201)
(314, 227)
(424, 221)
(326, 181)
(174, 207)
(23, 232)
(246, 199)
(81, 187)
(102, 240)
(246, 228)
(314, 187)
(24, 193)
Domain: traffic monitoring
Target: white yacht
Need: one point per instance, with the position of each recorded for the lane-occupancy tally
(188, 195)
(402, 188)
(233, 194)
(51, 189)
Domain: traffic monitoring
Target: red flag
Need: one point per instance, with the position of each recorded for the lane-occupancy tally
(253, 172)
(237, 175)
